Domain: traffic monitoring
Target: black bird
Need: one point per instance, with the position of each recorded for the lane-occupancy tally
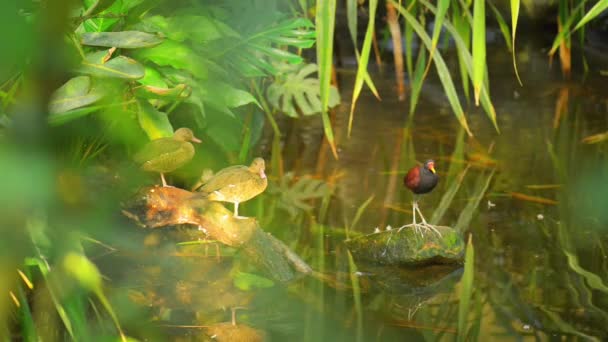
(421, 180)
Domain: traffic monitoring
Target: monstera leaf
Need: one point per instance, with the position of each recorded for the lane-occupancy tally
(295, 195)
(295, 91)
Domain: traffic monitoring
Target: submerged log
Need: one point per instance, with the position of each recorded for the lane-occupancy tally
(407, 247)
(167, 206)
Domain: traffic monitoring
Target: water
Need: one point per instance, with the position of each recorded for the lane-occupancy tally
(539, 230)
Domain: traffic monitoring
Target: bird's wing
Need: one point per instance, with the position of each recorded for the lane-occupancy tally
(156, 148)
(412, 178)
(226, 177)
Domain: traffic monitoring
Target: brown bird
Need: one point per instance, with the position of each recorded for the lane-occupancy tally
(421, 180)
(167, 154)
(236, 184)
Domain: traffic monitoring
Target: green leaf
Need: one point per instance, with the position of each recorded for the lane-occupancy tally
(363, 60)
(479, 47)
(514, 18)
(325, 23)
(442, 9)
(247, 281)
(598, 8)
(153, 77)
(442, 69)
(156, 124)
(502, 24)
(296, 92)
(179, 92)
(197, 28)
(75, 93)
(122, 40)
(83, 270)
(466, 289)
(351, 18)
(174, 54)
(117, 67)
(417, 78)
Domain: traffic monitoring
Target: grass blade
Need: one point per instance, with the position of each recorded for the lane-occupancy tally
(464, 31)
(351, 18)
(467, 213)
(325, 23)
(354, 279)
(565, 29)
(514, 17)
(360, 212)
(442, 9)
(447, 198)
(479, 47)
(463, 48)
(417, 78)
(466, 289)
(442, 69)
(363, 61)
(599, 7)
(502, 24)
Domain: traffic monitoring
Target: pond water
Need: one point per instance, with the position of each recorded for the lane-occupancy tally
(539, 225)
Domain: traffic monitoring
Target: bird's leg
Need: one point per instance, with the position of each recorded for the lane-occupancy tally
(414, 207)
(162, 178)
(425, 224)
(236, 209)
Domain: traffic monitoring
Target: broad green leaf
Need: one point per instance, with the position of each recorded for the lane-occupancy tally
(75, 93)
(442, 69)
(466, 290)
(117, 67)
(479, 47)
(514, 18)
(226, 131)
(122, 40)
(56, 119)
(179, 92)
(223, 96)
(325, 24)
(153, 77)
(363, 60)
(596, 10)
(296, 92)
(156, 124)
(197, 28)
(175, 54)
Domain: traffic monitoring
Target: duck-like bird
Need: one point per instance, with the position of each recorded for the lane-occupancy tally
(167, 154)
(236, 184)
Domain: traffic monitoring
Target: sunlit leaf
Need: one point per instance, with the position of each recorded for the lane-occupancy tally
(117, 67)
(123, 40)
(596, 10)
(514, 18)
(83, 270)
(325, 24)
(479, 47)
(156, 124)
(75, 93)
(197, 28)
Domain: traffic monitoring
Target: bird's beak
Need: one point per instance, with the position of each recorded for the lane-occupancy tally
(432, 168)
(196, 140)
(262, 174)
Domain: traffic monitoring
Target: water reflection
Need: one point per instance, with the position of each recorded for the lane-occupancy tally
(533, 198)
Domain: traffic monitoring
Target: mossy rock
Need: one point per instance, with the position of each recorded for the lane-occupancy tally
(409, 248)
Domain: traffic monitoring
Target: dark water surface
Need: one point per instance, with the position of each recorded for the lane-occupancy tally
(539, 230)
